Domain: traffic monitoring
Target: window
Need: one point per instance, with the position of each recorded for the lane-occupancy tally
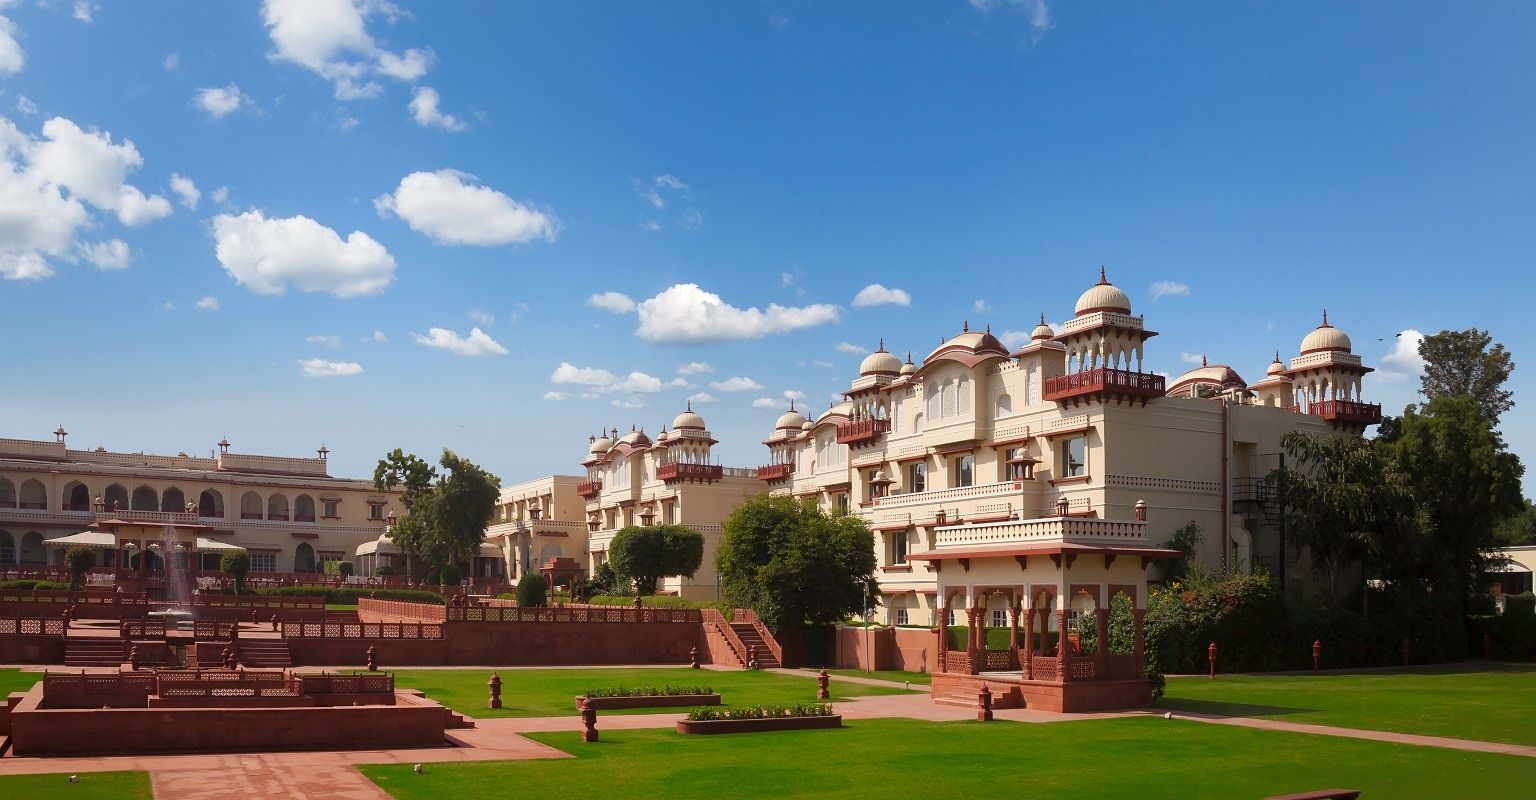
(949, 617)
(898, 547)
(999, 618)
(901, 616)
(263, 562)
(841, 502)
(669, 510)
(964, 468)
(1074, 457)
(917, 477)
(375, 510)
(329, 508)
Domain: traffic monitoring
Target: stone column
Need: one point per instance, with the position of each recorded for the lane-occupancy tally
(1013, 629)
(1027, 658)
(1062, 645)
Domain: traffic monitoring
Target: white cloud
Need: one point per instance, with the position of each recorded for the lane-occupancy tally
(219, 195)
(736, 384)
(686, 314)
(703, 397)
(208, 303)
(25, 105)
(265, 255)
(451, 207)
(604, 382)
(320, 368)
(476, 344)
(1403, 361)
(655, 199)
(220, 101)
(171, 62)
(981, 306)
(330, 38)
(650, 225)
(186, 190)
(694, 368)
(670, 182)
(691, 220)
(631, 402)
(482, 316)
(423, 108)
(1013, 340)
(816, 362)
(108, 255)
(1163, 289)
(556, 396)
(12, 58)
(616, 302)
(681, 383)
(766, 402)
(795, 394)
(167, 306)
(329, 340)
(851, 349)
(48, 187)
(378, 336)
(1192, 358)
(84, 10)
(1038, 13)
(877, 295)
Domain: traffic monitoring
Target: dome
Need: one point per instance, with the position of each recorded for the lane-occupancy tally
(791, 419)
(661, 437)
(1216, 375)
(909, 368)
(1042, 331)
(807, 425)
(844, 408)
(1103, 296)
(635, 438)
(688, 420)
(880, 363)
(598, 445)
(1276, 367)
(970, 344)
(1325, 338)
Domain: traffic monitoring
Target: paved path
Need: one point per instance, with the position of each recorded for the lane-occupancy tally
(1447, 742)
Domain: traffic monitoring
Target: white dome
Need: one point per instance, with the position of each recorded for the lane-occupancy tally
(791, 419)
(600, 445)
(807, 425)
(1103, 296)
(1043, 330)
(880, 363)
(909, 368)
(1325, 337)
(687, 420)
(1276, 367)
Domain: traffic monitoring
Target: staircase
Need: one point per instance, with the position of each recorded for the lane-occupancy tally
(749, 636)
(93, 652)
(265, 653)
(457, 721)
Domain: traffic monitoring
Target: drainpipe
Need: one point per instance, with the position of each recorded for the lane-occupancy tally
(1226, 484)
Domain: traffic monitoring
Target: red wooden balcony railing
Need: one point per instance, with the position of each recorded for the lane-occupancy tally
(861, 431)
(590, 489)
(775, 472)
(1346, 411)
(690, 472)
(1104, 380)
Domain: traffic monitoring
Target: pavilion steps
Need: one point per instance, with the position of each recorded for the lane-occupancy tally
(749, 636)
(93, 652)
(457, 721)
(268, 653)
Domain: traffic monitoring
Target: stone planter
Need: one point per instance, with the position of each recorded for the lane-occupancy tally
(756, 725)
(651, 701)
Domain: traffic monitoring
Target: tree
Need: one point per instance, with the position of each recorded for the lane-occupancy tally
(446, 513)
(648, 554)
(236, 564)
(794, 564)
(1458, 363)
(1465, 481)
(531, 590)
(344, 569)
(1519, 529)
(1186, 540)
(80, 560)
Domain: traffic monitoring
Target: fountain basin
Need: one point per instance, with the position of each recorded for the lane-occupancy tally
(173, 618)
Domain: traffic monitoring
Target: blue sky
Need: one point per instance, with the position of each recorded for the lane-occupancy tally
(375, 182)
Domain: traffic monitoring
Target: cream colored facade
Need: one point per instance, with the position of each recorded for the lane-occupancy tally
(632, 480)
(536, 521)
(978, 446)
(288, 512)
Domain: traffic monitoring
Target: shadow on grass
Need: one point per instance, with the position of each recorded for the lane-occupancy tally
(1219, 709)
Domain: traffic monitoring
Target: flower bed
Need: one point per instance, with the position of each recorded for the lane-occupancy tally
(649, 697)
(762, 718)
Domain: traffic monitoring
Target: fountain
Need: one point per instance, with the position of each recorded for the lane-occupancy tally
(174, 562)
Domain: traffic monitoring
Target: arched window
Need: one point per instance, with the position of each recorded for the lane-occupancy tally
(304, 558)
(1003, 407)
(34, 494)
(77, 496)
(7, 493)
(250, 506)
(548, 551)
(32, 551)
(277, 507)
(304, 508)
(116, 497)
(173, 499)
(7, 548)
(210, 504)
(145, 499)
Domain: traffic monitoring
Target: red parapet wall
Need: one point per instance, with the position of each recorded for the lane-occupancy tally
(1080, 697)
(906, 649)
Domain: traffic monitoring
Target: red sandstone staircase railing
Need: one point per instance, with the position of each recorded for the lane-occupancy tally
(716, 622)
(750, 616)
(31, 626)
(361, 630)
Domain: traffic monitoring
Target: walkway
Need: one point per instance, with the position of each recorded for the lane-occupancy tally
(1447, 742)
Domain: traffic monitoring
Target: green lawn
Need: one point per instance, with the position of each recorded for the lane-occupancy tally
(104, 785)
(1495, 704)
(1141, 757)
(340, 606)
(550, 692)
(895, 675)
(14, 680)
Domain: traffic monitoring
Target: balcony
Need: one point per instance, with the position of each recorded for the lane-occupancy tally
(1346, 411)
(590, 489)
(672, 473)
(862, 432)
(775, 472)
(303, 517)
(1102, 382)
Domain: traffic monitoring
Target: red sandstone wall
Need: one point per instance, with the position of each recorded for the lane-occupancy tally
(516, 644)
(909, 649)
(31, 650)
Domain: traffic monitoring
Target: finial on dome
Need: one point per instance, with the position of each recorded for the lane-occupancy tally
(909, 356)
(965, 327)
(1325, 319)
(1103, 279)
(1203, 362)
(632, 427)
(687, 407)
(1042, 317)
(791, 404)
(1277, 357)
(591, 438)
(989, 327)
(881, 348)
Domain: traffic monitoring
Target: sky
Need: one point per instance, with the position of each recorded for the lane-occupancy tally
(501, 227)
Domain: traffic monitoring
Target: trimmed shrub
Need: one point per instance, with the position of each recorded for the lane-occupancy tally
(647, 691)
(347, 595)
(659, 601)
(760, 712)
(343, 568)
(532, 590)
(30, 583)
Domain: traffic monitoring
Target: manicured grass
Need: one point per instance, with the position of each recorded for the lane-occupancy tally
(895, 675)
(1132, 758)
(549, 692)
(1494, 704)
(340, 606)
(104, 785)
(14, 680)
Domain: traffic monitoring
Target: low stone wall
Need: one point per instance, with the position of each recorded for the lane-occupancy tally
(513, 644)
(907, 649)
(31, 649)
(1078, 697)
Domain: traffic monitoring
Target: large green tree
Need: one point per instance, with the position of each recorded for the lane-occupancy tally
(446, 513)
(794, 564)
(1468, 363)
(648, 554)
(1465, 482)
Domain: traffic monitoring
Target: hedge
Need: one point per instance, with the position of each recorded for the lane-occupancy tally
(659, 601)
(30, 583)
(347, 595)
